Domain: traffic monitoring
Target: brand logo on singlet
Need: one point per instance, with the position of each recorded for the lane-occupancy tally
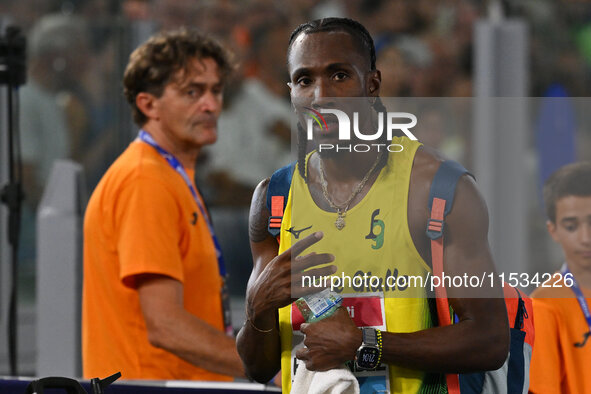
(296, 233)
(194, 218)
(378, 239)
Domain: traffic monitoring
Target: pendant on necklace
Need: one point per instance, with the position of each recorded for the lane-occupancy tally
(340, 222)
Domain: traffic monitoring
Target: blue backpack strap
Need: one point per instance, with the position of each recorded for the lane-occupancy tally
(443, 187)
(277, 193)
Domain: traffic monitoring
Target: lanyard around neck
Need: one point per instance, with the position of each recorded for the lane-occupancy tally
(144, 136)
(582, 302)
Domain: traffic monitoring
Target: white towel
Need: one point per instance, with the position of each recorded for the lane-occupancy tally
(334, 381)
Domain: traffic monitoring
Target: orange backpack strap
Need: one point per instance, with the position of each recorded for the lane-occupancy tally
(274, 224)
(277, 193)
(443, 313)
(441, 198)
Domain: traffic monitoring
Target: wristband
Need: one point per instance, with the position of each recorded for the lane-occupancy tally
(380, 347)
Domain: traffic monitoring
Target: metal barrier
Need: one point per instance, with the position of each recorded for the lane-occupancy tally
(19, 385)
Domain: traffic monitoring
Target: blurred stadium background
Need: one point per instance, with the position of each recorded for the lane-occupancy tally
(72, 107)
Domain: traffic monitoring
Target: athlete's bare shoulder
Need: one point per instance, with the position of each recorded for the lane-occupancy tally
(259, 213)
(425, 165)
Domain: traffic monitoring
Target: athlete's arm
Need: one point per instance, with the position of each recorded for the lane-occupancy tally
(479, 341)
(172, 328)
(270, 287)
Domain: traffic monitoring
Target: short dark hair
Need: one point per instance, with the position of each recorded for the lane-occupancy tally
(350, 26)
(154, 63)
(365, 42)
(570, 180)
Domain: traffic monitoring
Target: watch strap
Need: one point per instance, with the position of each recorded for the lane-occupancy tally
(370, 336)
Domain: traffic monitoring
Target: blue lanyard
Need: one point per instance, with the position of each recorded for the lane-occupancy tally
(178, 167)
(582, 301)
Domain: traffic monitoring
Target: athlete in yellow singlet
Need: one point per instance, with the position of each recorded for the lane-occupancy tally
(383, 234)
(385, 251)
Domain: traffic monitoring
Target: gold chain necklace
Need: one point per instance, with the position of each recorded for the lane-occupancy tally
(342, 210)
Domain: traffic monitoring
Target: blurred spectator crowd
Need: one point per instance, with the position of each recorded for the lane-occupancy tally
(72, 106)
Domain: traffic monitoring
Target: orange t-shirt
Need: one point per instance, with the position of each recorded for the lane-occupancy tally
(142, 218)
(557, 365)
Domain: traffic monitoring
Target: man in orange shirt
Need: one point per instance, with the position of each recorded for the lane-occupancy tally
(562, 352)
(153, 275)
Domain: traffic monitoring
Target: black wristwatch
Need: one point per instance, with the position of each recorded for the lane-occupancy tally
(369, 353)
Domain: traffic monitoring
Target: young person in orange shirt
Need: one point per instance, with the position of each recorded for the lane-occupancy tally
(562, 352)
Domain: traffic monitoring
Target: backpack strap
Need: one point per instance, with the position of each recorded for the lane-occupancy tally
(521, 314)
(522, 334)
(441, 196)
(277, 193)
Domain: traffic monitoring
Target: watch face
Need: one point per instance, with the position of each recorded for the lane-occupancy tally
(367, 358)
